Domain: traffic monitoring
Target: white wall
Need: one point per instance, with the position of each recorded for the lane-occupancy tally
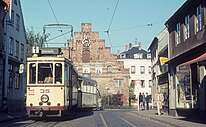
(138, 76)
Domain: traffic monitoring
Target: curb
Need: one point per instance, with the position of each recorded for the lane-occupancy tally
(157, 120)
(11, 118)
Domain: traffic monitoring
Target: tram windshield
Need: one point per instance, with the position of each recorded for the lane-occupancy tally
(48, 73)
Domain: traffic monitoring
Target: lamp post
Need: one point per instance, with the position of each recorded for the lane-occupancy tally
(107, 92)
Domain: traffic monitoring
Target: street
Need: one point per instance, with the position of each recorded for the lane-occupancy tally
(104, 118)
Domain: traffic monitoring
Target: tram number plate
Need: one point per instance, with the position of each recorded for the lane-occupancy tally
(44, 90)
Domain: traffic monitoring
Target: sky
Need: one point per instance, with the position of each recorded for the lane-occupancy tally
(132, 20)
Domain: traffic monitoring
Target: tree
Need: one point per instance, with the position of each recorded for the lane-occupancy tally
(35, 40)
(131, 90)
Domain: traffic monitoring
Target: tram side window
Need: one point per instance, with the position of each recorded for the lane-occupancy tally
(45, 73)
(32, 73)
(58, 73)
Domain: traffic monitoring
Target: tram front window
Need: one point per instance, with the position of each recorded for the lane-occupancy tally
(45, 73)
(58, 73)
(32, 73)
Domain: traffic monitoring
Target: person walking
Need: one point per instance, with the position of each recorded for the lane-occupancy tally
(159, 99)
(140, 100)
(143, 101)
(147, 101)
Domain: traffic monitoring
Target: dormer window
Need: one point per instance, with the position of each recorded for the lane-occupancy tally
(122, 55)
(148, 56)
(138, 56)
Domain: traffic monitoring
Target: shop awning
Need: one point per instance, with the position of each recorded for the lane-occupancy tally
(195, 60)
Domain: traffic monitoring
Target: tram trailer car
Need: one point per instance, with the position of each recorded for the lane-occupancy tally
(52, 83)
(87, 93)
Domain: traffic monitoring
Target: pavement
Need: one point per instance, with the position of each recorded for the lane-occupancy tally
(176, 121)
(11, 116)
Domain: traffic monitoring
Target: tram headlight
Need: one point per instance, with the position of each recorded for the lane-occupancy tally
(44, 98)
(40, 103)
(48, 103)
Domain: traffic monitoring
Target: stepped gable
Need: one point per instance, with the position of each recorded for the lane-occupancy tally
(87, 50)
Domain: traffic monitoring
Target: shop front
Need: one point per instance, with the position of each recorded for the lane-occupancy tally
(187, 92)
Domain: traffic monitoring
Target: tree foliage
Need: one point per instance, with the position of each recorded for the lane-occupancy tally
(131, 90)
(34, 39)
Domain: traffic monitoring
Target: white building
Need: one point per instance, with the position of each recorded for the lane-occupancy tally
(15, 54)
(139, 63)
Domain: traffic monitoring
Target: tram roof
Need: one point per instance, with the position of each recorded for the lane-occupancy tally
(48, 59)
(87, 79)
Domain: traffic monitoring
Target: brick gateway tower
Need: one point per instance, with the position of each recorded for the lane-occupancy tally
(94, 60)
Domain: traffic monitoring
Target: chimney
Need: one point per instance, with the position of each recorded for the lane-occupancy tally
(127, 47)
(130, 45)
(139, 45)
(118, 52)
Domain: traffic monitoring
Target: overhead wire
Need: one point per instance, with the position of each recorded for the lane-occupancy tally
(134, 27)
(111, 24)
(113, 15)
(56, 18)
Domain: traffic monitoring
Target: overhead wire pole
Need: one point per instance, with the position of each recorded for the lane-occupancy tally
(55, 17)
(63, 26)
(111, 24)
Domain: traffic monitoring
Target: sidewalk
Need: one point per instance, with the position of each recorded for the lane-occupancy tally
(10, 116)
(178, 121)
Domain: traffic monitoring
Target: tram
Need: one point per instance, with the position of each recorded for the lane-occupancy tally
(87, 93)
(52, 83)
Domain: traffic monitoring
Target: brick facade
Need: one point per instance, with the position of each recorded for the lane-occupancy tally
(86, 49)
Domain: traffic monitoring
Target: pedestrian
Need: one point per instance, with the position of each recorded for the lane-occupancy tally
(140, 100)
(159, 99)
(147, 100)
(143, 101)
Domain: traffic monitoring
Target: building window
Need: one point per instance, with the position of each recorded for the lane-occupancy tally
(17, 22)
(15, 1)
(109, 69)
(183, 87)
(149, 70)
(132, 69)
(148, 56)
(138, 55)
(150, 83)
(17, 79)
(22, 52)
(86, 69)
(178, 38)
(98, 69)
(11, 75)
(142, 83)
(187, 27)
(12, 17)
(199, 18)
(17, 49)
(142, 70)
(11, 46)
(117, 83)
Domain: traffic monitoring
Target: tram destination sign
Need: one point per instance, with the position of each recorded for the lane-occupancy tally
(50, 51)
